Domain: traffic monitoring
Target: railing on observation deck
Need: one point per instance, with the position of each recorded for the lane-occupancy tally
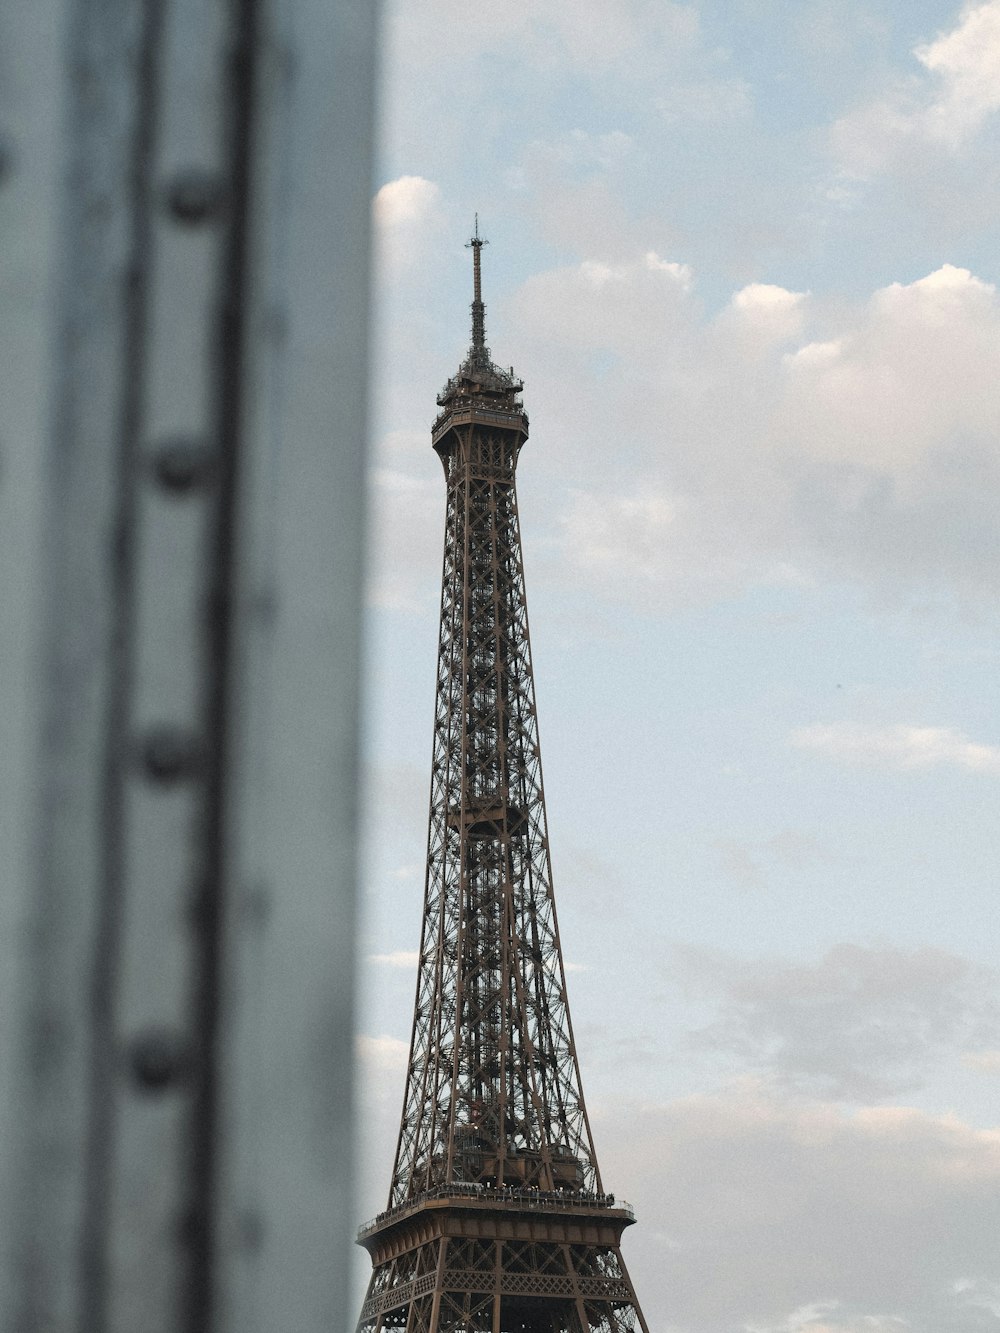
(549, 1200)
(480, 414)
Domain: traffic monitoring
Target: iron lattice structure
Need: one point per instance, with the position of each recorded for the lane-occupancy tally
(497, 1219)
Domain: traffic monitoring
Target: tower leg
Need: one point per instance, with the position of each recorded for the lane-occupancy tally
(497, 1287)
(436, 1301)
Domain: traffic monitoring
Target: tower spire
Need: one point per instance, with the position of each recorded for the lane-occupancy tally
(479, 352)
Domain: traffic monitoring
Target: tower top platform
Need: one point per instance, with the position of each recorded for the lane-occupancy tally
(480, 391)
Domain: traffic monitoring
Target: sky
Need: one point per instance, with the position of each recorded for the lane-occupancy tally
(743, 254)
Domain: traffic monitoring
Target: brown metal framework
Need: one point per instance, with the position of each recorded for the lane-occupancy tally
(497, 1219)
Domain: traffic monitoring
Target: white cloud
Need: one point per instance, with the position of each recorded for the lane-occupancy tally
(632, 531)
(903, 382)
(765, 296)
(861, 1024)
(748, 863)
(966, 63)
(401, 958)
(382, 1053)
(864, 1222)
(898, 747)
(681, 273)
(941, 109)
(987, 1062)
(395, 796)
(591, 36)
(407, 872)
(777, 443)
(407, 213)
(739, 864)
(817, 354)
(762, 315)
(780, 442)
(710, 101)
(407, 515)
(815, 1318)
(598, 36)
(407, 201)
(626, 307)
(574, 153)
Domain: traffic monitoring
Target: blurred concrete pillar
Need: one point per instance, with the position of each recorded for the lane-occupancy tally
(184, 204)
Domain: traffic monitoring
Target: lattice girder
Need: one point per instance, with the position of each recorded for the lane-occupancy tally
(492, 1059)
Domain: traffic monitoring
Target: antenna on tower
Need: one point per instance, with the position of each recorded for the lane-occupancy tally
(475, 244)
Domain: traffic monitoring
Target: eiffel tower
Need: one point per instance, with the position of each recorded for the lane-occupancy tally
(497, 1219)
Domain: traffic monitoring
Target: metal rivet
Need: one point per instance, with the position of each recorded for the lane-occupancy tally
(170, 755)
(251, 1232)
(181, 464)
(195, 196)
(199, 906)
(157, 1061)
(275, 323)
(192, 1226)
(257, 905)
(7, 157)
(263, 606)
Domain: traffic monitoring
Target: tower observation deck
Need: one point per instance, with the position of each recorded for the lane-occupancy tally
(497, 1219)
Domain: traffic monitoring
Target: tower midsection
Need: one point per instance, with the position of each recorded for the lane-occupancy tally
(493, 1094)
